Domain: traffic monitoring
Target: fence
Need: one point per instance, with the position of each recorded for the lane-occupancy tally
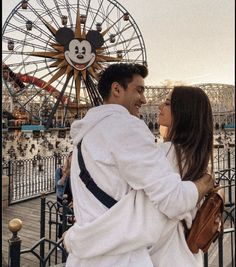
(221, 253)
(225, 246)
(29, 177)
(49, 250)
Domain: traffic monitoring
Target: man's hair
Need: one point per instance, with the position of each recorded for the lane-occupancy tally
(121, 73)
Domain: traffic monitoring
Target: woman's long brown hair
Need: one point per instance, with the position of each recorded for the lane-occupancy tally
(191, 131)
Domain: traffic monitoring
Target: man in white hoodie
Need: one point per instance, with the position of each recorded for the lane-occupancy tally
(120, 154)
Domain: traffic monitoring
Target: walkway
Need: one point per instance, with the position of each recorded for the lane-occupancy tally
(29, 213)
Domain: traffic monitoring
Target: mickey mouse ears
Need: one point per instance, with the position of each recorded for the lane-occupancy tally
(65, 35)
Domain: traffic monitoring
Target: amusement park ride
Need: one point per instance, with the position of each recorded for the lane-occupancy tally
(53, 52)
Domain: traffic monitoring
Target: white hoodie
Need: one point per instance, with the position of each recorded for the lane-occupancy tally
(120, 153)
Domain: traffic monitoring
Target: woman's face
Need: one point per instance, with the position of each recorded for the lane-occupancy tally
(164, 117)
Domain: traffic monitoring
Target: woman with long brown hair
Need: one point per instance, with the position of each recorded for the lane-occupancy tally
(187, 114)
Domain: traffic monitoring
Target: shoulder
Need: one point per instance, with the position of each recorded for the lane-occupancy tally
(166, 147)
(169, 151)
(123, 124)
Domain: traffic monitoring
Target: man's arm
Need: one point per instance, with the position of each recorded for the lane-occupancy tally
(145, 167)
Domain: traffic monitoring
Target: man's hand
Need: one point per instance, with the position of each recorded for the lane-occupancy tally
(204, 185)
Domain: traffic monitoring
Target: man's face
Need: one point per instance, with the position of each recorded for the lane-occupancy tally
(133, 97)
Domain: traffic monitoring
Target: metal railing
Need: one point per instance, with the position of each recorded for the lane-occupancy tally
(48, 251)
(29, 177)
(220, 254)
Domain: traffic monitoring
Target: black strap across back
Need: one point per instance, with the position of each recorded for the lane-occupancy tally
(85, 176)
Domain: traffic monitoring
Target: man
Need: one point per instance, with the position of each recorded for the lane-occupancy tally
(120, 154)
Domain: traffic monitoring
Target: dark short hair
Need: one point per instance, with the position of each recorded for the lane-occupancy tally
(122, 73)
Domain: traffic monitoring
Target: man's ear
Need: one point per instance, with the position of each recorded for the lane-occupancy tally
(115, 89)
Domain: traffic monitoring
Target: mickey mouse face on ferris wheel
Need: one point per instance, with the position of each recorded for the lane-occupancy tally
(79, 53)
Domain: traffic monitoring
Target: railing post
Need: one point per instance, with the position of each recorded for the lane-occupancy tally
(64, 220)
(10, 187)
(206, 259)
(220, 250)
(64, 212)
(55, 156)
(9, 167)
(229, 177)
(42, 222)
(14, 243)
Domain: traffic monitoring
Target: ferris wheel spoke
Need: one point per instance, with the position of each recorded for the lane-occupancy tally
(117, 33)
(59, 63)
(35, 25)
(97, 66)
(69, 13)
(57, 75)
(34, 36)
(48, 12)
(57, 7)
(94, 16)
(123, 30)
(108, 14)
(33, 62)
(123, 42)
(6, 38)
(78, 24)
(31, 98)
(67, 104)
(91, 94)
(39, 71)
(94, 92)
(77, 87)
(93, 73)
(102, 58)
(48, 25)
(54, 109)
(86, 14)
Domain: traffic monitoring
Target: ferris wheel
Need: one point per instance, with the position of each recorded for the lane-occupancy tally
(53, 52)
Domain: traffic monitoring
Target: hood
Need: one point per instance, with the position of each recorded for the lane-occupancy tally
(79, 128)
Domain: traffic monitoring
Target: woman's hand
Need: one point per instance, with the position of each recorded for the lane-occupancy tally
(204, 185)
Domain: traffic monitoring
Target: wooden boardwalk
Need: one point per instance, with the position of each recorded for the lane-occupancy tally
(29, 213)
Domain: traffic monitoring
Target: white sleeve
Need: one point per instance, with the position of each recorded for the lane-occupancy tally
(146, 167)
(132, 223)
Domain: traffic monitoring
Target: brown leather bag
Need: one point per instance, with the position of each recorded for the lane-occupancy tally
(208, 223)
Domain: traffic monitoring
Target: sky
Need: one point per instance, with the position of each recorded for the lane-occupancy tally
(192, 41)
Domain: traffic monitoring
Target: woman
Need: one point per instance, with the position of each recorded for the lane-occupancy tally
(188, 145)
(62, 182)
(187, 115)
